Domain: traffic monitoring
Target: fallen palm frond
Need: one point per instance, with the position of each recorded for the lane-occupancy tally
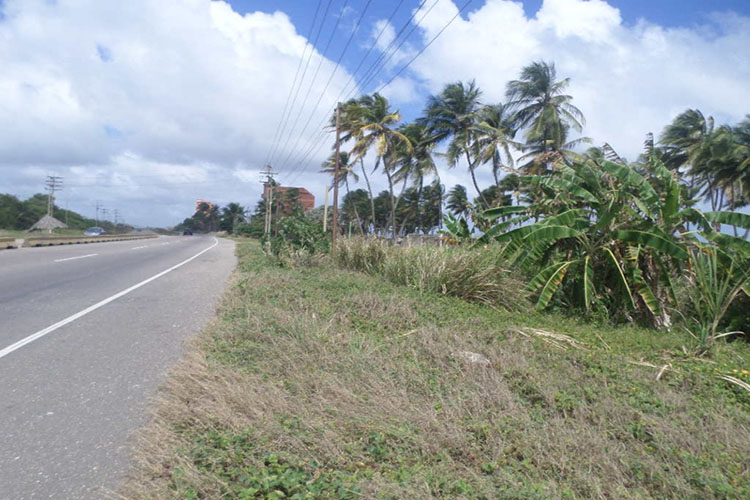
(556, 339)
(736, 381)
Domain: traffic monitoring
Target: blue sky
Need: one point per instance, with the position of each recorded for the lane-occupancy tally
(147, 105)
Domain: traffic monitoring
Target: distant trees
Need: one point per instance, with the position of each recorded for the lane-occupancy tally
(20, 215)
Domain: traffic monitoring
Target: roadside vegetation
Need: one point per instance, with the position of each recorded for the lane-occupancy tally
(317, 382)
(17, 216)
(577, 330)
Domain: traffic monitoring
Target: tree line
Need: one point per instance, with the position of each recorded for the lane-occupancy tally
(525, 135)
(20, 215)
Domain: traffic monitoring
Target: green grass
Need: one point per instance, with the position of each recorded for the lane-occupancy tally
(320, 383)
(26, 234)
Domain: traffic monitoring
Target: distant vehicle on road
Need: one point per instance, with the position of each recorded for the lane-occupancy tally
(187, 232)
(94, 231)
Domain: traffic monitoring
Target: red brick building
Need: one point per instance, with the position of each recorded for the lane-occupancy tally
(198, 204)
(281, 195)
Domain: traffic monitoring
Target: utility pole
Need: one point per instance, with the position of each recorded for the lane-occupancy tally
(266, 178)
(53, 183)
(325, 210)
(98, 208)
(334, 222)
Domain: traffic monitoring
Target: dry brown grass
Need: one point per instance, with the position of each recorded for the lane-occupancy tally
(342, 372)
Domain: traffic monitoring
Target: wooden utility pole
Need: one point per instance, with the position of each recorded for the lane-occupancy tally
(334, 222)
(268, 188)
(325, 211)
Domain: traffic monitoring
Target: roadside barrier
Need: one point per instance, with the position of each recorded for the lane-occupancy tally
(43, 241)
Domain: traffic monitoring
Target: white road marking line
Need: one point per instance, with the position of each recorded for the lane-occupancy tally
(137, 248)
(74, 258)
(80, 314)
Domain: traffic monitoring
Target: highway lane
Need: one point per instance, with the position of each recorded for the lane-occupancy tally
(70, 399)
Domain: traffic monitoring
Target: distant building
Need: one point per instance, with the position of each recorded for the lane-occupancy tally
(198, 204)
(287, 195)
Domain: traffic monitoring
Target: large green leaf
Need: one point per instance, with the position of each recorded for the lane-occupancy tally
(696, 217)
(547, 233)
(561, 185)
(497, 212)
(571, 218)
(621, 274)
(652, 240)
(551, 285)
(501, 227)
(632, 179)
(729, 241)
(731, 218)
(640, 285)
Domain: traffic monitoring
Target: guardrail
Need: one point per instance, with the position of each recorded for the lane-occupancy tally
(8, 242)
(43, 241)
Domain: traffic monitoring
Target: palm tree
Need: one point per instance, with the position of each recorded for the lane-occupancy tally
(348, 124)
(454, 114)
(373, 126)
(458, 201)
(494, 138)
(542, 108)
(346, 170)
(418, 162)
(231, 215)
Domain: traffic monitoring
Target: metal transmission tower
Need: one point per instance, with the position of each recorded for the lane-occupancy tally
(98, 208)
(53, 183)
(117, 218)
(104, 213)
(266, 178)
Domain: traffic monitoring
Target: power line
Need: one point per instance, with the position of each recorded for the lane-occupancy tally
(425, 47)
(411, 60)
(375, 67)
(294, 82)
(315, 76)
(52, 184)
(401, 43)
(301, 82)
(328, 83)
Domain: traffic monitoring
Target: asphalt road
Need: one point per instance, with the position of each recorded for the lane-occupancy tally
(73, 387)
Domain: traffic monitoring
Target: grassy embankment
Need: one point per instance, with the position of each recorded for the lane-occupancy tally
(325, 383)
(37, 234)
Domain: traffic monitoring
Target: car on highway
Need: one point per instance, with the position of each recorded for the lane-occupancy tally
(94, 231)
(187, 232)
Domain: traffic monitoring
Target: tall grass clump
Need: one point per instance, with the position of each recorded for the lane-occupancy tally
(716, 279)
(475, 276)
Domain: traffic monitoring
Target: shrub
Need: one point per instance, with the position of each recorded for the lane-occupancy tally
(476, 276)
(299, 233)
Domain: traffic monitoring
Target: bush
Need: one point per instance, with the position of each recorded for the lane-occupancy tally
(473, 275)
(299, 233)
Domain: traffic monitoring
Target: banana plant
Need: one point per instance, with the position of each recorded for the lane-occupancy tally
(607, 235)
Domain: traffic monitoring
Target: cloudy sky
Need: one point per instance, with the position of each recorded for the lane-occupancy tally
(146, 105)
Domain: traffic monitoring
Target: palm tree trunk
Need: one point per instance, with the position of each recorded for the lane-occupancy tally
(398, 200)
(393, 200)
(369, 188)
(474, 180)
(354, 206)
(420, 218)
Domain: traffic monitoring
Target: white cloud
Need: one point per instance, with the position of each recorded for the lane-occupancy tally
(145, 88)
(627, 79)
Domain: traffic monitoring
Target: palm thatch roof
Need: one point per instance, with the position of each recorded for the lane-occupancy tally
(47, 222)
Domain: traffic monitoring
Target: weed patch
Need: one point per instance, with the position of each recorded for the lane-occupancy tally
(323, 383)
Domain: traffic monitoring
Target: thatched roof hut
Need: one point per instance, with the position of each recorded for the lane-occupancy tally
(47, 222)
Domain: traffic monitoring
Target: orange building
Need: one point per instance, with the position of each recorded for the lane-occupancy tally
(304, 197)
(198, 204)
